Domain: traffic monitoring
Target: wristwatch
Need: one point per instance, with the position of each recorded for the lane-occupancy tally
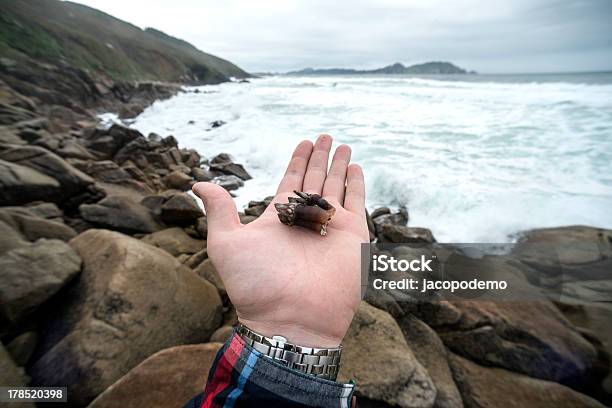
(318, 362)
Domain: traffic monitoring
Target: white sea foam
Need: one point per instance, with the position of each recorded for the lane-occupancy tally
(475, 161)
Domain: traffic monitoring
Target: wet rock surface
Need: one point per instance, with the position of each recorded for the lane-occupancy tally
(131, 300)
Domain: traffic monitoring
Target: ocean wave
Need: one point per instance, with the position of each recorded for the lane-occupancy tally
(472, 161)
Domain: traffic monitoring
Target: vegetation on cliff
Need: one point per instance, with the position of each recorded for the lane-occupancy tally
(64, 32)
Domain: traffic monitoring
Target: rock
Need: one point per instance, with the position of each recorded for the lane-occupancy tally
(178, 180)
(208, 271)
(255, 211)
(121, 214)
(9, 238)
(105, 170)
(202, 226)
(115, 180)
(376, 355)
(169, 378)
(32, 227)
(401, 234)
(381, 211)
(371, 227)
(245, 219)
(170, 141)
(72, 149)
(12, 376)
(138, 148)
(572, 261)
(32, 274)
(594, 319)
(20, 184)
(222, 334)
(431, 353)
(493, 387)
(216, 124)
(197, 258)
(131, 300)
(48, 211)
(221, 158)
(21, 348)
(384, 216)
(201, 174)
(175, 241)
(73, 181)
(109, 142)
(190, 157)
(231, 168)
(229, 183)
(180, 209)
(530, 337)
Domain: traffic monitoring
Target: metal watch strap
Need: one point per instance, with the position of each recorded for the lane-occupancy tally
(321, 363)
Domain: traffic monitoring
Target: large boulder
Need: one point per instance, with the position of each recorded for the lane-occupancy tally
(175, 241)
(574, 261)
(228, 182)
(108, 142)
(484, 387)
(402, 234)
(169, 378)
(180, 209)
(229, 167)
(31, 274)
(131, 300)
(593, 320)
(9, 238)
(528, 337)
(72, 181)
(178, 180)
(207, 270)
(21, 184)
(12, 376)
(383, 216)
(431, 353)
(110, 176)
(120, 213)
(376, 355)
(32, 227)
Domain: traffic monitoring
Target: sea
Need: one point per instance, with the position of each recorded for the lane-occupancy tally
(475, 158)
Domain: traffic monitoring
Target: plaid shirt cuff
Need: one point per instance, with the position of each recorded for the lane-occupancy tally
(242, 377)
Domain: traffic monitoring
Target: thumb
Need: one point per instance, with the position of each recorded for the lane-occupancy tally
(221, 213)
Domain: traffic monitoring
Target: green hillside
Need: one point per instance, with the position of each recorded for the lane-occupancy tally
(56, 31)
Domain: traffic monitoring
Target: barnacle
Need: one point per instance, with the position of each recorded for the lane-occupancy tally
(306, 210)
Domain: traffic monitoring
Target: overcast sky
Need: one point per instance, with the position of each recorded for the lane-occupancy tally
(484, 35)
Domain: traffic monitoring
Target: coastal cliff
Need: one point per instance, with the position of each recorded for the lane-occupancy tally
(89, 216)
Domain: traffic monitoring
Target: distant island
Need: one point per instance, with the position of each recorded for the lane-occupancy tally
(427, 68)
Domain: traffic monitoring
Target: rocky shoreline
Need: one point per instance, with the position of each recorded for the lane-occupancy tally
(107, 288)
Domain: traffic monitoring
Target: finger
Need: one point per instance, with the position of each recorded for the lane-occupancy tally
(317, 165)
(336, 178)
(354, 199)
(221, 213)
(294, 176)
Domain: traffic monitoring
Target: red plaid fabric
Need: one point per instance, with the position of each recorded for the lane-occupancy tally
(242, 377)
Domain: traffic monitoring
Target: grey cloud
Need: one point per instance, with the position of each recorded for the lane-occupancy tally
(485, 35)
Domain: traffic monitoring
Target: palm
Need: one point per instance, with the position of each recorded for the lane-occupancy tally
(290, 279)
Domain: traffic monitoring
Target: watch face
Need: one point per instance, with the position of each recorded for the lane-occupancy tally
(279, 338)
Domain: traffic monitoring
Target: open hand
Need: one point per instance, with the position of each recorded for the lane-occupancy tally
(291, 281)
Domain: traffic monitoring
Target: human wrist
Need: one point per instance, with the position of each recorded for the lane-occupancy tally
(294, 333)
